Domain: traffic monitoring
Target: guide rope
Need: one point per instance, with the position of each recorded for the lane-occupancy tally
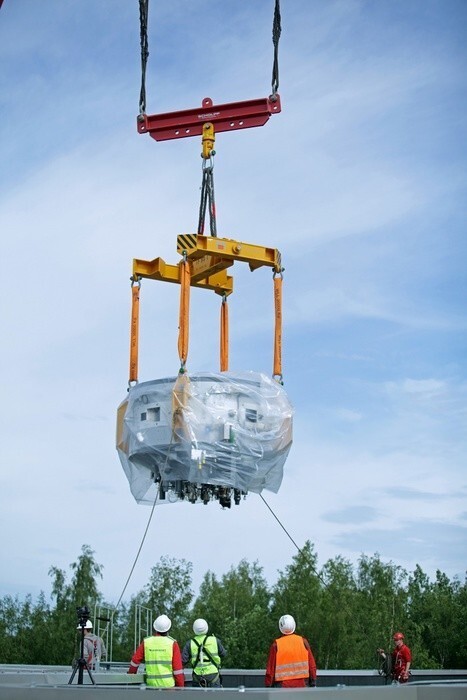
(299, 549)
(145, 531)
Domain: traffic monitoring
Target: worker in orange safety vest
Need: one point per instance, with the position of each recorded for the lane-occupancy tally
(291, 663)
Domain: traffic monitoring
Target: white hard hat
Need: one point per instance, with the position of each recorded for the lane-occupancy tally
(287, 624)
(200, 626)
(87, 626)
(162, 623)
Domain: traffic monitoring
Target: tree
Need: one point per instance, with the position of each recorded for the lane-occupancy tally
(81, 591)
(298, 592)
(9, 616)
(169, 592)
(419, 619)
(336, 637)
(381, 607)
(443, 616)
(237, 611)
(84, 589)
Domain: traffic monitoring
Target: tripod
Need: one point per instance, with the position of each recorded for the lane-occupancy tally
(81, 664)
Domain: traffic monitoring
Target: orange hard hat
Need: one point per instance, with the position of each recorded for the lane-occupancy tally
(398, 635)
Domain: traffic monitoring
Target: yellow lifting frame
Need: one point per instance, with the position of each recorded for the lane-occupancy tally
(158, 269)
(205, 260)
(209, 258)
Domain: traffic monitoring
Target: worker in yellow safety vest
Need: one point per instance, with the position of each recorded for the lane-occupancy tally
(291, 663)
(204, 652)
(161, 656)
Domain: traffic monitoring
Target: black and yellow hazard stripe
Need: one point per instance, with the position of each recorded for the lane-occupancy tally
(186, 242)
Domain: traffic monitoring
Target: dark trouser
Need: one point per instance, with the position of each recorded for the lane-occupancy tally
(210, 680)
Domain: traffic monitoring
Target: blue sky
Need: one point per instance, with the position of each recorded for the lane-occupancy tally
(360, 182)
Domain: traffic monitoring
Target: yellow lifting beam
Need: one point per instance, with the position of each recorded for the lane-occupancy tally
(209, 258)
(158, 269)
(198, 247)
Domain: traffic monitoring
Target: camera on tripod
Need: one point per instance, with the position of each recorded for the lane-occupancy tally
(83, 615)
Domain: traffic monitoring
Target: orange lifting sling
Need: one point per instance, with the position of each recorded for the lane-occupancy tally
(224, 336)
(277, 364)
(134, 331)
(197, 249)
(184, 317)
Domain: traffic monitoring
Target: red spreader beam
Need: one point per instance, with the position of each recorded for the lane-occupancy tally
(189, 122)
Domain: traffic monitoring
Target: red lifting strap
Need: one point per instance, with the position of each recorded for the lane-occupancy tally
(228, 117)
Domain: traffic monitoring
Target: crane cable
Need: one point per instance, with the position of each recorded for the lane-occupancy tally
(207, 197)
(144, 43)
(276, 34)
(143, 32)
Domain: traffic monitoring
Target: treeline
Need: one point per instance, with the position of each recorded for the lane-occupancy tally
(346, 611)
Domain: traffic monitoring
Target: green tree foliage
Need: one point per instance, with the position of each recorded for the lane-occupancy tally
(380, 607)
(124, 642)
(439, 617)
(169, 592)
(345, 611)
(298, 592)
(237, 611)
(81, 591)
(335, 636)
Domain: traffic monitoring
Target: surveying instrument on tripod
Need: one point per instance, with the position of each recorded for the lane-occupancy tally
(81, 663)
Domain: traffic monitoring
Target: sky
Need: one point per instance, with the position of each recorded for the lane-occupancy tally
(360, 182)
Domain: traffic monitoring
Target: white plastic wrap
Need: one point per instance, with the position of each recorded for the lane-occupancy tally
(204, 436)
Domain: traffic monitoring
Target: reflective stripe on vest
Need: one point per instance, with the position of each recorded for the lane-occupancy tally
(204, 666)
(158, 661)
(291, 658)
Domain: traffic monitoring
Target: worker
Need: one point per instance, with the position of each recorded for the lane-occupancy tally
(204, 652)
(94, 650)
(401, 659)
(161, 656)
(291, 663)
